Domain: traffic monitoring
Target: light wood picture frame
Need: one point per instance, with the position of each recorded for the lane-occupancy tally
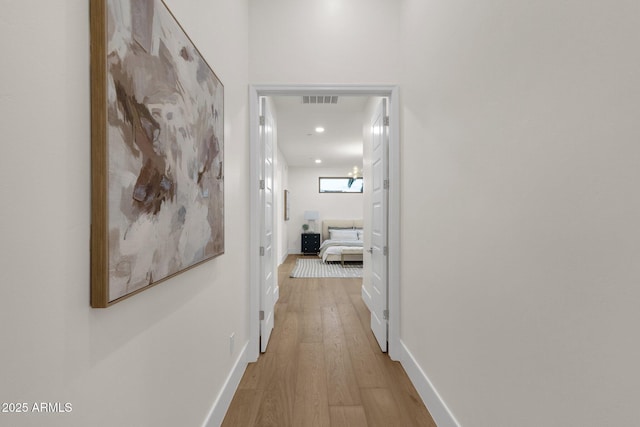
(157, 150)
(287, 205)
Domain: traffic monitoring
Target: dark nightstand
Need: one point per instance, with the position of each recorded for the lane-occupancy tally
(310, 243)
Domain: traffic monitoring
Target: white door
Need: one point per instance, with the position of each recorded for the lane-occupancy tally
(379, 201)
(268, 278)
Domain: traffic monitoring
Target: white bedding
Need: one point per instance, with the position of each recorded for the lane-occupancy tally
(330, 250)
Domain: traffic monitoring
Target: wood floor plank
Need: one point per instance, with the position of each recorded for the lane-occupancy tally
(283, 273)
(347, 416)
(273, 411)
(352, 286)
(266, 368)
(339, 291)
(250, 377)
(296, 294)
(243, 409)
(365, 363)
(311, 406)
(365, 321)
(285, 292)
(285, 340)
(279, 312)
(380, 408)
(331, 325)
(342, 384)
(326, 295)
(311, 326)
(311, 296)
(412, 409)
(363, 358)
(283, 276)
(279, 389)
(349, 318)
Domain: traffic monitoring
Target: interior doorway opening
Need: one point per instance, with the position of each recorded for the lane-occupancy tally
(257, 179)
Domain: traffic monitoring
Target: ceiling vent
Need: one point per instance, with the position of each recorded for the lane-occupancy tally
(319, 99)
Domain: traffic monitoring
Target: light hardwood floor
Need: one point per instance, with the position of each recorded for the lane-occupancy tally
(323, 366)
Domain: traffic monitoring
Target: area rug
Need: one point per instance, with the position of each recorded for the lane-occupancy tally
(316, 268)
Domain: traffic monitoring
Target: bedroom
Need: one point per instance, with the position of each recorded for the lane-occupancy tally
(305, 155)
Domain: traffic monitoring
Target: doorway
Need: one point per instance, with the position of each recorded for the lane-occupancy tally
(256, 232)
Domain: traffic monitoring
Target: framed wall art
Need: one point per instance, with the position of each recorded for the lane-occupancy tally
(157, 150)
(287, 205)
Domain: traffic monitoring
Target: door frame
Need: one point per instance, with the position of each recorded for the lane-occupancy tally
(393, 230)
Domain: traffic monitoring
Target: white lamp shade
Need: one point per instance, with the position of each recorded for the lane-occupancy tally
(311, 215)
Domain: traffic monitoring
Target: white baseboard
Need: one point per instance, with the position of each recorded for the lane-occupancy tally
(366, 297)
(221, 405)
(432, 400)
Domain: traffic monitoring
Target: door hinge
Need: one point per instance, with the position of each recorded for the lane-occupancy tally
(385, 184)
(262, 185)
(261, 250)
(385, 314)
(385, 121)
(261, 315)
(262, 120)
(385, 251)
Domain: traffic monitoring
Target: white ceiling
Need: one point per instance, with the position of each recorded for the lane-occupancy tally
(340, 145)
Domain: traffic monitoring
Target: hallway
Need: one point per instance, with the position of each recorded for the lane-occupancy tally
(323, 366)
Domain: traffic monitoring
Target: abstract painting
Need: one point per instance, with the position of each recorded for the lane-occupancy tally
(157, 150)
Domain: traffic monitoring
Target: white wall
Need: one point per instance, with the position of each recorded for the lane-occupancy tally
(313, 41)
(159, 358)
(303, 184)
(520, 208)
(282, 183)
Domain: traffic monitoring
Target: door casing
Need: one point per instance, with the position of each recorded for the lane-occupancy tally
(392, 93)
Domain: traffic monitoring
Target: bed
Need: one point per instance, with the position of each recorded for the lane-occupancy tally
(341, 240)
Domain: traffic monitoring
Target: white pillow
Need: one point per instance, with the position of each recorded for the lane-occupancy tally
(343, 234)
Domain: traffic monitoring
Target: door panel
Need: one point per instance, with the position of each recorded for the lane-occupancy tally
(379, 201)
(268, 278)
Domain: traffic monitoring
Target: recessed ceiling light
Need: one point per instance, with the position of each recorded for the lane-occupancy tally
(319, 129)
(318, 161)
